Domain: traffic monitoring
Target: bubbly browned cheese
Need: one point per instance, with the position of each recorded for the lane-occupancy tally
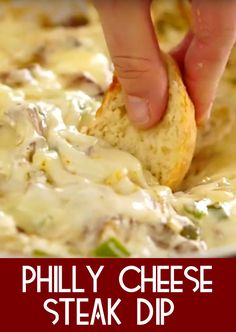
(63, 192)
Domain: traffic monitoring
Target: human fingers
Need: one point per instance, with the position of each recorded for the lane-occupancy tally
(214, 27)
(137, 58)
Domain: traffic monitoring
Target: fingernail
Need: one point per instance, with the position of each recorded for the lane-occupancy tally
(205, 116)
(138, 110)
(208, 112)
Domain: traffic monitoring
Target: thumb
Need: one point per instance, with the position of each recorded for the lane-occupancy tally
(137, 58)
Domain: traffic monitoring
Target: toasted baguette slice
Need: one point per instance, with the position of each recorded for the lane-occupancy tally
(167, 149)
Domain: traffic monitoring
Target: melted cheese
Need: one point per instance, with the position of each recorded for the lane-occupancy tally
(63, 192)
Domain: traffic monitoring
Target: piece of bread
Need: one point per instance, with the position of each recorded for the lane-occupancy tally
(167, 149)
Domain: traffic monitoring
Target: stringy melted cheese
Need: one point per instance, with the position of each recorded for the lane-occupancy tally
(63, 192)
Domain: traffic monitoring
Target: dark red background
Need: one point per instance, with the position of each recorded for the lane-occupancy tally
(193, 312)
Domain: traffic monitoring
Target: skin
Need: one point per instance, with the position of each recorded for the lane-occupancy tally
(135, 52)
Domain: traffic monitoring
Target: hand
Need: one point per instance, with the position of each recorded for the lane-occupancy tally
(136, 55)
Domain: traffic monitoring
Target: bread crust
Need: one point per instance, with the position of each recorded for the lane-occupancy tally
(167, 149)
